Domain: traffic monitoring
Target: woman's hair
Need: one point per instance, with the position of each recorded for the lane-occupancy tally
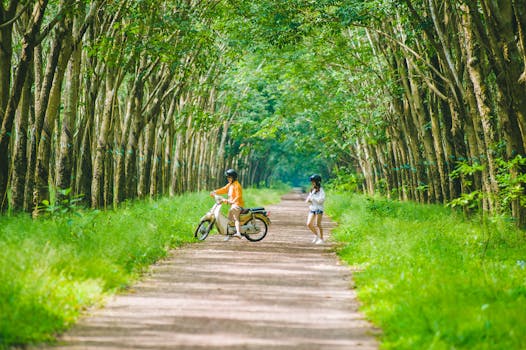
(316, 179)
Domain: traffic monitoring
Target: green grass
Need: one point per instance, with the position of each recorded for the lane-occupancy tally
(258, 197)
(53, 269)
(429, 278)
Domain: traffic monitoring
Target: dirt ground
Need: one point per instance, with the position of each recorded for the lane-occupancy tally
(281, 293)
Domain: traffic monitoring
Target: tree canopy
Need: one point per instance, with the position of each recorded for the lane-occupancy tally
(115, 100)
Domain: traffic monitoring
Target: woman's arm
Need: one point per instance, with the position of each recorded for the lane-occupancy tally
(319, 197)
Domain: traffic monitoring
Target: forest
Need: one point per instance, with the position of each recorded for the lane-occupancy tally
(119, 116)
(104, 101)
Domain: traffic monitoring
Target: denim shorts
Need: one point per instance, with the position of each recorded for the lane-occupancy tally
(317, 212)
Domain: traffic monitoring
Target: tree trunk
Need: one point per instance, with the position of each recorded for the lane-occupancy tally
(6, 53)
(84, 169)
(439, 150)
(484, 115)
(28, 43)
(421, 122)
(128, 143)
(97, 184)
(156, 186)
(51, 107)
(64, 176)
(20, 142)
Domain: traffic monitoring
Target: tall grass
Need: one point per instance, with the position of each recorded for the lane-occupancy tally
(256, 197)
(52, 269)
(432, 280)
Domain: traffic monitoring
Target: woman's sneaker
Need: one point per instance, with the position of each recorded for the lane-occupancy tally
(315, 239)
(319, 241)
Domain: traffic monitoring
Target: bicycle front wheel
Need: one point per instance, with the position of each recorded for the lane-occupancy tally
(203, 229)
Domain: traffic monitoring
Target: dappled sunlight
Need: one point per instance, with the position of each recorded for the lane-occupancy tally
(280, 293)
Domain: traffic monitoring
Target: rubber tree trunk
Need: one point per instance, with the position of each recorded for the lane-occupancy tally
(102, 139)
(63, 44)
(64, 176)
(30, 40)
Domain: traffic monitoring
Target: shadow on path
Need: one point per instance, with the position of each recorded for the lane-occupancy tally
(280, 293)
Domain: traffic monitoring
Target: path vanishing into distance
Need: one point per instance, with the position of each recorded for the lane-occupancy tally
(281, 293)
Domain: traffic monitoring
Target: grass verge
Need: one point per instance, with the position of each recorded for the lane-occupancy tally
(53, 269)
(430, 279)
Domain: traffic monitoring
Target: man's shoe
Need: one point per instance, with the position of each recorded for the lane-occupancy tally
(237, 235)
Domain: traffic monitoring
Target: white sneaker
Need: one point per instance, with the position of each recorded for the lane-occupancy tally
(315, 239)
(237, 235)
(319, 241)
(227, 238)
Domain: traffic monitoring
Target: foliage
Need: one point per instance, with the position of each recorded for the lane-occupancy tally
(470, 200)
(306, 106)
(343, 180)
(510, 179)
(63, 203)
(430, 279)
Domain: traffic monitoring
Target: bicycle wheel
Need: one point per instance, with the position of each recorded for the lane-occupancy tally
(203, 229)
(256, 230)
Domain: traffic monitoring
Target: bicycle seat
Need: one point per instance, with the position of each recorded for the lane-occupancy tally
(252, 210)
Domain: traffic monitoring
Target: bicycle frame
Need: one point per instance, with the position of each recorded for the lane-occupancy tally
(254, 222)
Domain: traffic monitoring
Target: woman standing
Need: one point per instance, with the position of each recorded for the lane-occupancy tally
(316, 198)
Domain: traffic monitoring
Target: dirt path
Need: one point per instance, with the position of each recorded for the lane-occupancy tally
(280, 293)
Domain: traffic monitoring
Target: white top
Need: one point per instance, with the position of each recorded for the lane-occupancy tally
(316, 200)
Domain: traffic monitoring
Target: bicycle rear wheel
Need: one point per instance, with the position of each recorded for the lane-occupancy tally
(256, 230)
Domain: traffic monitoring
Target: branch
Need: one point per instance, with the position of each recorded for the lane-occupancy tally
(88, 20)
(410, 50)
(428, 82)
(50, 25)
(12, 20)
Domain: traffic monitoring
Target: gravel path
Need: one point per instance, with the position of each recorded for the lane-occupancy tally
(280, 293)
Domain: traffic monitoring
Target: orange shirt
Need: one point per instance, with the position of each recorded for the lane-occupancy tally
(235, 193)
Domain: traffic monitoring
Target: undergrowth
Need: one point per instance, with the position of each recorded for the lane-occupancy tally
(431, 279)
